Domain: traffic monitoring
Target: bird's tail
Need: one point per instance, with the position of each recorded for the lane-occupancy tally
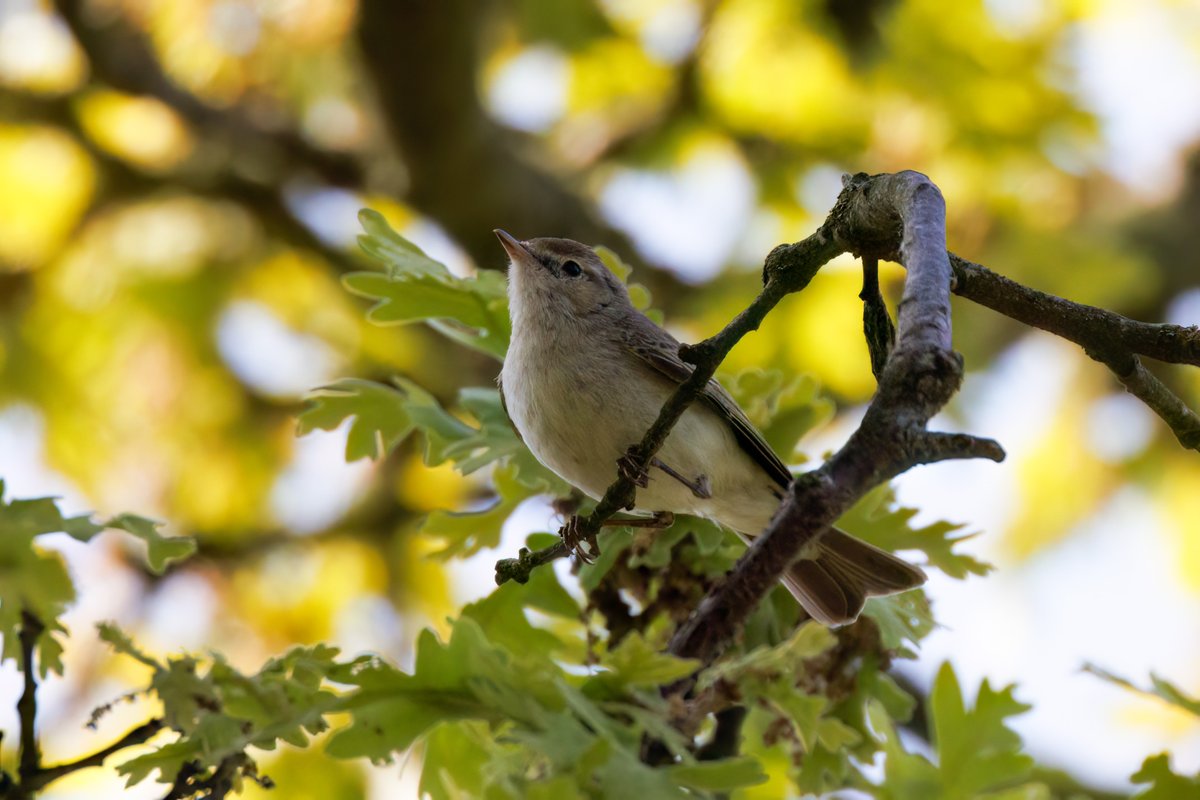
(834, 585)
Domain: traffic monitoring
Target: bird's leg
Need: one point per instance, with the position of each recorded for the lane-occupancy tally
(701, 487)
(661, 519)
(574, 540)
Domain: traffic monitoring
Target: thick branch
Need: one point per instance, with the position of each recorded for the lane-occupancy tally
(902, 217)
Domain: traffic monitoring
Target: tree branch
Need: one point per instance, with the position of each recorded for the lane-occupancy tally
(47, 775)
(1142, 384)
(1094, 329)
(900, 217)
(30, 758)
(1105, 336)
(877, 323)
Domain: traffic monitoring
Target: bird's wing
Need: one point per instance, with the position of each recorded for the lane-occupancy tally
(660, 351)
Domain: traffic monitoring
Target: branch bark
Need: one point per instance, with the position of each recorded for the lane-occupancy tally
(1107, 337)
(46, 775)
(30, 758)
(900, 217)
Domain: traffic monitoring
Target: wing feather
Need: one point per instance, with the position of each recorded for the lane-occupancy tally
(660, 351)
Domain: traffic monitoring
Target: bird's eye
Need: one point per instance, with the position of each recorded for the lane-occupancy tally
(572, 268)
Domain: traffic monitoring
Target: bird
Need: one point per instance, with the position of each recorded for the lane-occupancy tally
(586, 374)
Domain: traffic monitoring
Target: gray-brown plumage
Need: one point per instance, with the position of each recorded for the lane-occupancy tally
(586, 375)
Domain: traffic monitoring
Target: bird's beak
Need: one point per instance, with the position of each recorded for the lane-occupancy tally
(516, 251)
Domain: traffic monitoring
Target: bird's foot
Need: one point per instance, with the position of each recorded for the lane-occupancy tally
(629, 468)
(701, 487)
(574, 538)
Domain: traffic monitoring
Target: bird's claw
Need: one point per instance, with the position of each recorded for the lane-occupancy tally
(630, 469)
(574, 538)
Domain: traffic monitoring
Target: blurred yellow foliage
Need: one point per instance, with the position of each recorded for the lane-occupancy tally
(768, 74)
(47, 183)
(1179, 490)
(138, 129)
(297, 594)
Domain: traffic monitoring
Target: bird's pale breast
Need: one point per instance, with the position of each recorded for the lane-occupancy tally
(579, 413)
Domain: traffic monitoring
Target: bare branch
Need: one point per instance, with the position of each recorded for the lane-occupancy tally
(47, 775)
(1094, 329)
(877, 323)
(901, 217)
(1142, 384)
(1105, 336)
(30, 758)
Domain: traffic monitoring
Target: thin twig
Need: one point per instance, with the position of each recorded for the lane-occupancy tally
(877, 323)
(1107, 337)
(1142, 384)
(47, 775)
(1095, 329)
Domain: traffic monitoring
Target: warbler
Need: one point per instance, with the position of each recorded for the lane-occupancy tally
(586, 375)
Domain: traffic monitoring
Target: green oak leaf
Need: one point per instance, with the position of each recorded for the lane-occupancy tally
(383, 416)
(1165, 784)
(34, 579)
(415, 288)
(161, 551)
(878, 519)
(720, 776)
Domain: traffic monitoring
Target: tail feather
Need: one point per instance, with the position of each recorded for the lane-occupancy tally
(834, 586)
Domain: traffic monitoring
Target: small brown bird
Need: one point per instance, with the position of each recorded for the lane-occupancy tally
(585, 377)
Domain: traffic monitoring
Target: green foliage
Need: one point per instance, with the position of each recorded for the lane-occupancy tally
(879, 520)
(1164, 783)
(783, 407)
(500, 712)
(36, 581)
(977, 755)
(472, 311)
(219, 712)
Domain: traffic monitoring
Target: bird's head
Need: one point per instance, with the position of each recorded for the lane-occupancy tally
(555, 280)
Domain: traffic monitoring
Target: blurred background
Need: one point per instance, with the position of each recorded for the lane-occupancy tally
(179, 181)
